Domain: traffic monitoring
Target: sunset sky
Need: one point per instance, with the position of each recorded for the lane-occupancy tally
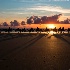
(21, 9)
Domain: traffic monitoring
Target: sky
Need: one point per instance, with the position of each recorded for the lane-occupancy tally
(21, 9)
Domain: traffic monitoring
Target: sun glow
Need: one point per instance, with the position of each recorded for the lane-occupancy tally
(51, 26)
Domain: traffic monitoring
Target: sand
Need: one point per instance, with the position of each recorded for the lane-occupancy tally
(34, 51)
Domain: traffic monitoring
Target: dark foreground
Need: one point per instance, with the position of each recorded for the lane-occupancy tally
(34, 52)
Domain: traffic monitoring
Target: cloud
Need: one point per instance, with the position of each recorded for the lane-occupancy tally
(51, 9)
(14, 13)
(5, 24)
(17, 9)
(43, 19)
(15, 23)
(33, 0)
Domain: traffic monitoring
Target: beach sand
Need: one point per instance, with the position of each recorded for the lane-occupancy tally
(34, 51)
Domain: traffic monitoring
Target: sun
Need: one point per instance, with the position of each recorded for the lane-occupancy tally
(51, 26)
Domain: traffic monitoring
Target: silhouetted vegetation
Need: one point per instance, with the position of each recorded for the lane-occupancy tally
(38, 30)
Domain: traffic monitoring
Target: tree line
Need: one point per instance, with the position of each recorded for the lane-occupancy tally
(38, 30)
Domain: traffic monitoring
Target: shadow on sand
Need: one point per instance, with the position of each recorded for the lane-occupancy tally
(4, 37)
(30, 42)
(60, 36)
(23, 46)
